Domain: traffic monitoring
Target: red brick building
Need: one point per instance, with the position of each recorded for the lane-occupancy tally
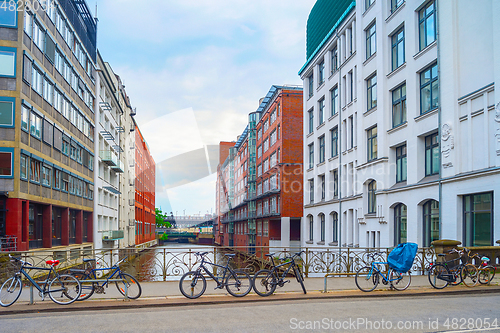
(145, 171)
(261, 177)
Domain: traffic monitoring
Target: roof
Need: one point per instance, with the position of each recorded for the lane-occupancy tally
(325, 17)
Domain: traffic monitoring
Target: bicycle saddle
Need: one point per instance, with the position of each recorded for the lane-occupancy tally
(52, 262)
(231, 255)
(87, 260)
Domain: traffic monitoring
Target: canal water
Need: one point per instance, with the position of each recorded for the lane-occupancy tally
(169, 262)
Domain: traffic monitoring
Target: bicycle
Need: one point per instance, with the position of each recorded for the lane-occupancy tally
(486, 271)
(193, 284)
(368, 277)
(265, 281)
(62, 289)
(446, 272)
(133, 287)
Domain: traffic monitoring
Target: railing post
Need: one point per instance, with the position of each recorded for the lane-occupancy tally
(31, 294)
(215, 262)
(348, 260)
(164, 268)
(306, 264)
(189, 255)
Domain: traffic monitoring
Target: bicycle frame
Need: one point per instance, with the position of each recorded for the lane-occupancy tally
(222, 278)
(285, 273)
(92, 274)
(33, 282)
(374, 266)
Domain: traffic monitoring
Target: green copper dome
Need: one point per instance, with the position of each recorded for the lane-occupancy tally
(325, 16)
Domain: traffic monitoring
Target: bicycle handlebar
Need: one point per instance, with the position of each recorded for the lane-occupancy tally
(122, 260)
(20, 260)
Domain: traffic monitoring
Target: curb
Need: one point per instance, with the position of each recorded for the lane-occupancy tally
(100, 305)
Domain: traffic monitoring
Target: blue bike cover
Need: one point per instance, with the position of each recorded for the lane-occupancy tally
(401, 257)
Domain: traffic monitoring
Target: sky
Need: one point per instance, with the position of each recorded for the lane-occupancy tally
(194, 70)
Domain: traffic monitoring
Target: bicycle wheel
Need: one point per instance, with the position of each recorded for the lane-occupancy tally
(366, 279)
(64, 289)
(134, 289)
(10, 291)
(469, 275)
(400, 281)
(87, 288)
(300, 279)
(238, 283)
(486, 274)
(438, 276)
(192, 284)
(264, 282)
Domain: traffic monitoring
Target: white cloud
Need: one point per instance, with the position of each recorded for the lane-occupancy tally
(213, 57)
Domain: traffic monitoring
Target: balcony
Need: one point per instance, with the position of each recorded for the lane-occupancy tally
(108, 157)
(118, 167)
(112, 235)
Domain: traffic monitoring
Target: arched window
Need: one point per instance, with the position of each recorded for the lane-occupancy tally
(322, 224)
(311, 228)
(372, 202)
(335, 222)
(400, 224)
(431, 222)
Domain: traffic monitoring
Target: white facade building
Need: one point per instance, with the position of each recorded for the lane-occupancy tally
(112, 210)
(399, 123)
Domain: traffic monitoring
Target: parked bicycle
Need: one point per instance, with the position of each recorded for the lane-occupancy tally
(129, 285)
(265, 281)
(62, 289)
(441, 274)
(193, 284)
(368, 277)
(486, 271)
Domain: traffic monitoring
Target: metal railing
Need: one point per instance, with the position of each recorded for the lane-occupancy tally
(164, 263)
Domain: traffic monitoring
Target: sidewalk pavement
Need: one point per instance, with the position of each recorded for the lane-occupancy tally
(167, 294)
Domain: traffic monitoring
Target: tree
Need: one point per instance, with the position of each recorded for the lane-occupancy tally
(160, 219)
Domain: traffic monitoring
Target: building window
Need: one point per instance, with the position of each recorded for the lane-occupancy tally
(372, 143)
(334, 93)
(371, 92)
(399, 106)
(311, 228)
(335, 183)
(321, 142)
(57, 179)
(37, 81)
(321, 111)
(323, 185)
(311, 120)
(321, 72)
(311, 190)
(8, 13)
(478, 219)
(6, 168)
(368, 3)
(24, 167)
(335, 227)
(7, 111)
(431, 155)
(311, 155)
(398, 48)
(401, 164)
(372, 200)
(371, 42)
(46, 176)
(311, 85)
(322, 226)
(65, 147)
(28, 23)
(334, 134)
(335, 59)
(429, 89)
(25, 115)
(427, 25)
(35, 170)
(38, 35)
(431, 222)
(36, 125)
(400, 224)
(395, 4)
(7, 61)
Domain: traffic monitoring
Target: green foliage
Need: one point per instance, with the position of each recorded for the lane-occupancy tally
(164, 236)
(160, 219)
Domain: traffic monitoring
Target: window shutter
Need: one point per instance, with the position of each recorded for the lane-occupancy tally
(50, 49)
